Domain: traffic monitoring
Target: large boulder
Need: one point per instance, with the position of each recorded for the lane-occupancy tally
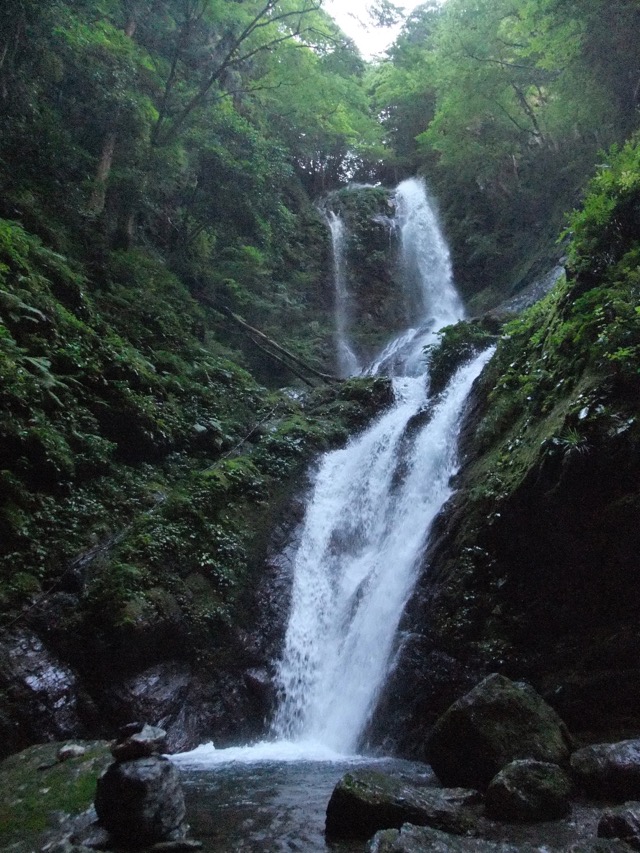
(529, 790)
(497, 722)
(141, 802)
(366, 801)
(418, 839)
(609, 770)
(622, 822)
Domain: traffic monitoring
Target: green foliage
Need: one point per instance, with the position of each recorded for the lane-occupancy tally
(606, 227)
(81, 396)
(567, 371)
(200, 543)
(458, 344)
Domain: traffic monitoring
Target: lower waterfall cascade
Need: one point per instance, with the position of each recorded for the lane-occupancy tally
(367, 522)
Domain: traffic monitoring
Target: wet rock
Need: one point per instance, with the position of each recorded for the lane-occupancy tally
(259, 682)
(92, 836)
(364, 802)
(141, 802)
(38, 694)
(167, 695)
(130, 729)
(150, 740)
(529, 790)
(623, 823)
(609, 769)
(598, 846)
(418, 839)
(497, 722)
(189, 702)
(422, 685)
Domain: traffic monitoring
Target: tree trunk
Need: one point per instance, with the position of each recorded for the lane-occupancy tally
(99, 192)
(125, 231)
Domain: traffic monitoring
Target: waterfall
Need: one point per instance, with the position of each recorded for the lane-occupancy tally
(364, 533)
(368, 518)
(347, 360)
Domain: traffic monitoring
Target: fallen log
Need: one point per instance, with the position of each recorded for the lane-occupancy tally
(271, 347)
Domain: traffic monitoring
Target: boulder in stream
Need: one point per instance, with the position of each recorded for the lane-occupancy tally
(609, 770)
(529, 790)
(139, 740)
(364, 802)
(497, 722)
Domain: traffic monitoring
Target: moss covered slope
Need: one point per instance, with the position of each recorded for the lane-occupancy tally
(141, 469)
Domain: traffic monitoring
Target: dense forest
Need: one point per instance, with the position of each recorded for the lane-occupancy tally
(166, 335)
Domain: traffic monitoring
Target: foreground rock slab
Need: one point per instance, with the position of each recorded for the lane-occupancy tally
(529, 790)
(417, 839)
(609, 769)
(623, 823)
(497, 722)
(364, 802)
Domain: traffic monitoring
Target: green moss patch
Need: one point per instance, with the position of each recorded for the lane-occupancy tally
(35, 788)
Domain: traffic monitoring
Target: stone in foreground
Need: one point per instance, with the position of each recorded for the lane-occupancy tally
(141, 802)
(529, 790)
(623, 823)
(497, 722)
(146, 741)
(609, 769)
(419, 839)
(364, 802)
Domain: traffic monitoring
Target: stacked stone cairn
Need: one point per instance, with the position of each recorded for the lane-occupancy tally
(139, 799)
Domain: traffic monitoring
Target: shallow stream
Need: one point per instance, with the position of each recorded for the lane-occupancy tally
(276, 806)
(272, 806)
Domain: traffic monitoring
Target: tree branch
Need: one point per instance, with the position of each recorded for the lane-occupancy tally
(231, 59)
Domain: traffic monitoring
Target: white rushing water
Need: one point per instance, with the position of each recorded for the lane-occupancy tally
(348, 364)
(367, 522)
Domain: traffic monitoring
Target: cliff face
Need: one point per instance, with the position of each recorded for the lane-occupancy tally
(371, 265)
(141, 472)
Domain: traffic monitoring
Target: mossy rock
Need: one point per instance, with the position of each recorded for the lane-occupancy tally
(529, 791)
(35, 788)
(497, 722)
(367, 801)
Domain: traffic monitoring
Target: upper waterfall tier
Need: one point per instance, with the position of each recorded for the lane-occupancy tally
(391, 271)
